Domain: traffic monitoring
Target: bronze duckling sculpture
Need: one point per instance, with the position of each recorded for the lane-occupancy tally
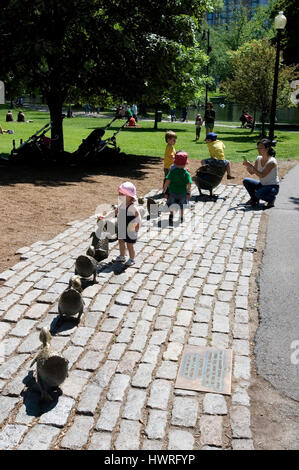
(70, 301)
(51, 366)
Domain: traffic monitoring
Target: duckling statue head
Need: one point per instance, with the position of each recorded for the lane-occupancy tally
(75, 283)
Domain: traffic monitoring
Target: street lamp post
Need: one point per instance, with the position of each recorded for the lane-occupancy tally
(208, 52)
(280, 22)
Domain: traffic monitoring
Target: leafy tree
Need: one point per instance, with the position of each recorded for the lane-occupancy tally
(253, 73)
(290, 38)
(183, 83)
(225, 38)
(93, 45)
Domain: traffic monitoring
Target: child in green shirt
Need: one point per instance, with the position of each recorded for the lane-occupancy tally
(178, 181)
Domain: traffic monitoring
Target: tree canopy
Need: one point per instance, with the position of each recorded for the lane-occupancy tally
(253, 74)
(65, 47)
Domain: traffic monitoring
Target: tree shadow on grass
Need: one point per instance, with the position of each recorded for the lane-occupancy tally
(126, 166)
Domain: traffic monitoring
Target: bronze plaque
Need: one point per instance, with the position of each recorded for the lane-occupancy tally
(205, 369)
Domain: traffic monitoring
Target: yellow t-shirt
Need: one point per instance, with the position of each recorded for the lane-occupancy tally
(216, 149)
(169, 153)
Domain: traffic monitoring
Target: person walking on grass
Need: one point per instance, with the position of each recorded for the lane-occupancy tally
(178, 181)
(128, 222)
(198, 124)
(216, 149)
(209, 117)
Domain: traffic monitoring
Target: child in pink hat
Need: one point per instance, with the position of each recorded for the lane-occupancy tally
(128, 221)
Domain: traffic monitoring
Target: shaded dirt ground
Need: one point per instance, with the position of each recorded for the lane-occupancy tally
(37, 203)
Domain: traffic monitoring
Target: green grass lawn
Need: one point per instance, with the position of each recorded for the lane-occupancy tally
(147, 141)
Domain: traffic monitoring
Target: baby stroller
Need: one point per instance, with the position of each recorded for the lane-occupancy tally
(36, 148)
(246, 120)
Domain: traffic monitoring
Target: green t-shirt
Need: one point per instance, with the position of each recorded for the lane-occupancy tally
(179, 178)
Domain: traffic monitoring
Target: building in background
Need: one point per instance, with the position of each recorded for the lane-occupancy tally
(226, 14)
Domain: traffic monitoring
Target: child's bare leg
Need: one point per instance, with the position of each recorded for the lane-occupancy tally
(228, 171)
(122, 247)
(131, 250)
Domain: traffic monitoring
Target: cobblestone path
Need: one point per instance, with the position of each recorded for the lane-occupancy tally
(189, 285)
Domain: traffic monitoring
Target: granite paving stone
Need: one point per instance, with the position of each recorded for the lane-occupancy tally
(214, 404)
(8, 368)
(89, 399)
(77, 435)
(118, 387)
(135, 401)
(4, 329)
(129, 435)
(151, 354)
(100, 441)
(11, 435)
(180, 440)
(156, 426)
(184, 412)
(143, 375)
(159, 395)
(75, 383)
(211, 430)
(240, 422)
(108, 417)
(40, 437)
(59, 415)
(6, 406)
(241, 367)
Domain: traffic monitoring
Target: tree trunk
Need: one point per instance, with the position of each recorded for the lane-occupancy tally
(156, 118)
(253, 125)
(55, 108)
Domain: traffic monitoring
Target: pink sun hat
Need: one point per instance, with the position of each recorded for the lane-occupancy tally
(128, 189)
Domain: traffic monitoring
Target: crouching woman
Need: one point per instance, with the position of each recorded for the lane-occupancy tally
(265, 167)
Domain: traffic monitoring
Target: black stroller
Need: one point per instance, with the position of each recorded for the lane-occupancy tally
(95, 146)
(36, 148)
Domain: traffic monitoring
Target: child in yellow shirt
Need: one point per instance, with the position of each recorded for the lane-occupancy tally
(216, 149)
(170, 139)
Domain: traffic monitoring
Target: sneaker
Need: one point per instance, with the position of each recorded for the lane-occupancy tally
(119, 259)
(229, 177)
(130, 262)
(269, 205)
(170, 221)
(251, 202)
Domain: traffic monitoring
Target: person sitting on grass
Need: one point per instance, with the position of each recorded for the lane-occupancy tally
(178, 181)
(216, 149)
(9, 116)
(21, 116)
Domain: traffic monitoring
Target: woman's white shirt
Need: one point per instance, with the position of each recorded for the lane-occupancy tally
(272, 176)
